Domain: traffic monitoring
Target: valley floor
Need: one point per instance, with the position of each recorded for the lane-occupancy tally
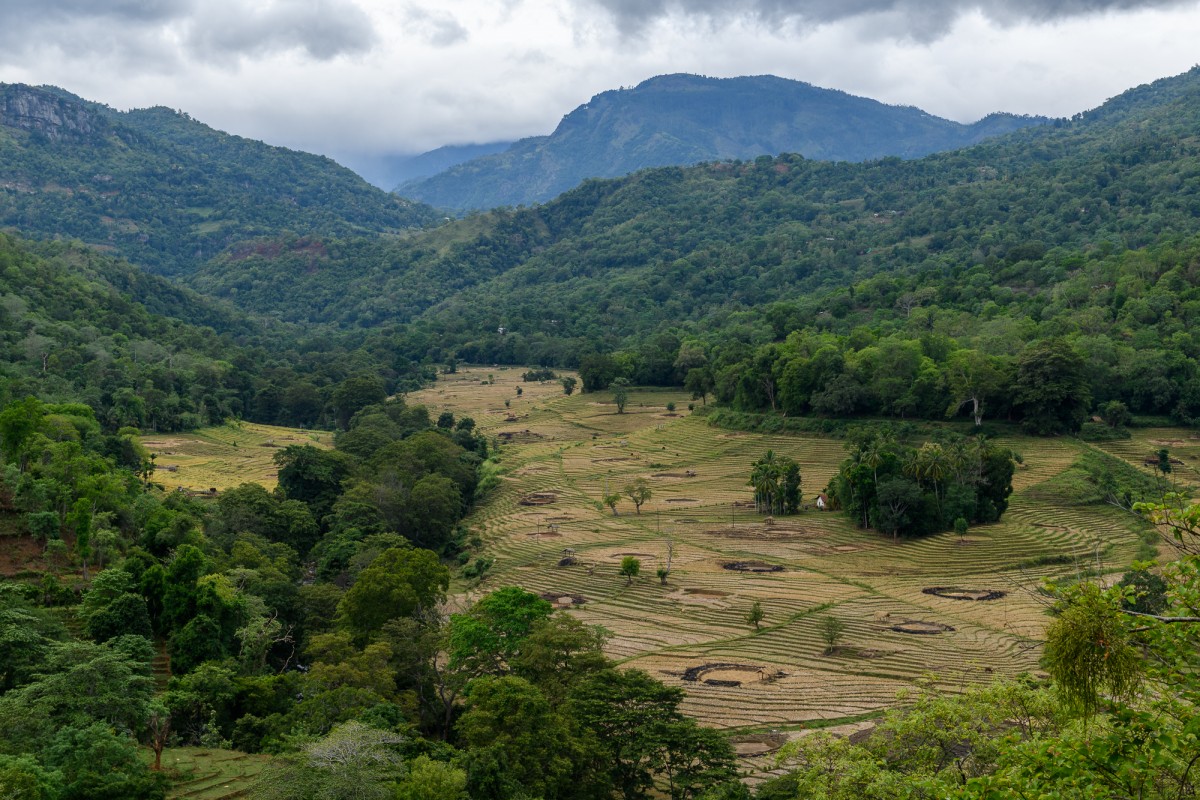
(563, 453)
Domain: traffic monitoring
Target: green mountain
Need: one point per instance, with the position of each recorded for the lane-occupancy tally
(1036, 230)
(76, 325)
(164, 190)
(679, 246)
(81, 326)
(686, 119)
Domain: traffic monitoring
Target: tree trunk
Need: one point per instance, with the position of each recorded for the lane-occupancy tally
(769, 387)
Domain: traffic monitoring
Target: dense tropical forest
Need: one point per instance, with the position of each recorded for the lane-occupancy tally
(1046, 279)
(165, 191)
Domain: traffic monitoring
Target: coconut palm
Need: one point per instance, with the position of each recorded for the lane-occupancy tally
(764, 477)
(931, 464)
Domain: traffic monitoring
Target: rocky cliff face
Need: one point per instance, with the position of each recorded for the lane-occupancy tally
(45, 112)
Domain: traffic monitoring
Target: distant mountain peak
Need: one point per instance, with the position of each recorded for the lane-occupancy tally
(680, 119)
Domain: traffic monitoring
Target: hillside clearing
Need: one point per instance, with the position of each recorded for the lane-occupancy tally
(223, 456)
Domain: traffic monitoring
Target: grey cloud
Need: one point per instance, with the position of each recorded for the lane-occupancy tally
(920, 19)
(324, 29)
(19, 14)
(83, 26)
(437, 28)
(209, 29)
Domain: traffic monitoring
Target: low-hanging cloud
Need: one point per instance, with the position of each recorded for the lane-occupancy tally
(925, 20)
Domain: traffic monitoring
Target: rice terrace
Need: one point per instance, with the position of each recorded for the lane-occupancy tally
(942, 611)
(223, 456)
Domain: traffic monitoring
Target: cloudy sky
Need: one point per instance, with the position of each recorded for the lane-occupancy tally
(357, 79)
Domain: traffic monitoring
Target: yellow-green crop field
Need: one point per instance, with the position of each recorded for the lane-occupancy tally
(204, 773)
(224, 456)
(563, 453)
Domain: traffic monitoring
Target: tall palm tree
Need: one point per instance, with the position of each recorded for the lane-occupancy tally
(764, 477)
(932, 464)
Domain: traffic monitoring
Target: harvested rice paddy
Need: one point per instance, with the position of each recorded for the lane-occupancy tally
(935, 611)
(223, 456)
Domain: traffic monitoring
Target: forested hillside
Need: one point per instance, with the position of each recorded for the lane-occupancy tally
(76, 326)
(676, 120)
(164, 190)
(1083, 230)
(1049, 277)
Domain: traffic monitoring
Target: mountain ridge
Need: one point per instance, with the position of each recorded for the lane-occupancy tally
(616, 258)
(166, 191)
(681, 119)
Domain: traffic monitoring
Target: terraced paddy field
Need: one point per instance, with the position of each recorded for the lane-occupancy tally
(202, 773)
(1141, 450)
(223, 456)
(930, 612)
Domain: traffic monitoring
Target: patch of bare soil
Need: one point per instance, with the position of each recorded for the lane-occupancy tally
(705, 593)
(564, 600)
(546, 534)
(870, 652)
(751, 566)
(519, 436)
(20, 554)
(698, 596)
(757, 744)
(922, 627)
(775, 533)
(538, 499)
(957, 593)
(722, 674)
(845, 651)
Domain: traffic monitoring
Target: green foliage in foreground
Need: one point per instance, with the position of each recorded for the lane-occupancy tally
(1118, 722)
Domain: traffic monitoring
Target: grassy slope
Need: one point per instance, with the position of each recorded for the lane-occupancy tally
(224, 456)
(577, 446)
(203, 773)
